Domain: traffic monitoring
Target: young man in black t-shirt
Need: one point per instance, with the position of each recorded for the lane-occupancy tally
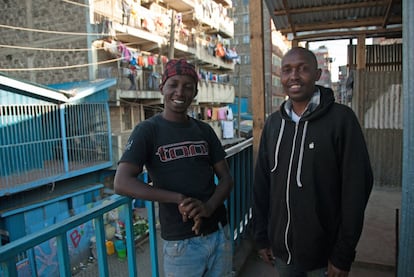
(182, 156)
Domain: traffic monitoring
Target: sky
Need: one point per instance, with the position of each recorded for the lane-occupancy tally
(337, 49)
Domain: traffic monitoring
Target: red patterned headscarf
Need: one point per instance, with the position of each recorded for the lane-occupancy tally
(179, 67)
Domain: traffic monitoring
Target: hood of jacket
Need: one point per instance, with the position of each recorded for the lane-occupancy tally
(326, 100)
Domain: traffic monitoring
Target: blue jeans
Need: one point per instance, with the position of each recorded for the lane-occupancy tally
(202, 256)
(290, 270)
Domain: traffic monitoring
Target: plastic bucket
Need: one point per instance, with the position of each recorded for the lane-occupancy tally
(120, 249)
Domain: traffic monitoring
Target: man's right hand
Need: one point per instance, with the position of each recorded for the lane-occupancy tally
(191, 208)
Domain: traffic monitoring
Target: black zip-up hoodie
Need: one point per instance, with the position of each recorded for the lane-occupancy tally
(312, 183)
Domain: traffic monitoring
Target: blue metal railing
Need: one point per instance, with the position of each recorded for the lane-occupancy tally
(240, 158)
(59, 231)
(63, 141)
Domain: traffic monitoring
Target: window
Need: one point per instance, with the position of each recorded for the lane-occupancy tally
(276, 61)
(246, 39)
(246, 19)
(246, 59)
(275, 81)
(277, 101)
(126, 122)
(248, 81)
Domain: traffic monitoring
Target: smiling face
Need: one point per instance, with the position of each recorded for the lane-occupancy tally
(179, 91)
(299, 74)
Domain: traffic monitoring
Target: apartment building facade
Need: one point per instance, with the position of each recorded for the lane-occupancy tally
(274, 47)
(130, 40)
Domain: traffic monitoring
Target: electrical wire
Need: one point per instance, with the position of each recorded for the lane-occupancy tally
(50, 49)
(58, 67)
(63, 49)
(76, 3)
(51, 32)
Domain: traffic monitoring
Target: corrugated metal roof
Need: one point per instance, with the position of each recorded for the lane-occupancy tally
(32, 90)
(56, 93)
(82, 89)
(312, 20)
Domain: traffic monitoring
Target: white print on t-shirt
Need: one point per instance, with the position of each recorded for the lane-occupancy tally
(181, 150)
(128, 145)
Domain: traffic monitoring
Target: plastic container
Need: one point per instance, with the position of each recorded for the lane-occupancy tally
(120, 249)
(110, 247)
(222, 114)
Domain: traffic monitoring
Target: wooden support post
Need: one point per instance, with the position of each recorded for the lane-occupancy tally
(257, 68)
(361, 60)
(359, 89)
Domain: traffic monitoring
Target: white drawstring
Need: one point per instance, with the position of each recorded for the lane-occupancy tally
(279, 139)
(302, 144)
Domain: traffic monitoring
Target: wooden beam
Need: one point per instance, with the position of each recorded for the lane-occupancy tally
(257, 68)
(387, 14)
(340, 24)
(289, 17)
(327, 8)
(397, 31)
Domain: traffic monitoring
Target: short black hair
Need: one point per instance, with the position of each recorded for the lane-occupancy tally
(307, 52)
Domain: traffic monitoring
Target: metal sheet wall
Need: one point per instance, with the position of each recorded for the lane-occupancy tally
(378, 104)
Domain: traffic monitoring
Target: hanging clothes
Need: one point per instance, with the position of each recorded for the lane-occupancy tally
(125, 53)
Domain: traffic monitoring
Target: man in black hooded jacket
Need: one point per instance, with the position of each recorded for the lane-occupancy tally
(313, 177)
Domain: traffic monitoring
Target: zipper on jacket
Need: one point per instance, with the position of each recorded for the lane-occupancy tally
(301, 150)
(287, 195)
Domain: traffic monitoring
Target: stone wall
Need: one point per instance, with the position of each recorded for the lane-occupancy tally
(35, 23)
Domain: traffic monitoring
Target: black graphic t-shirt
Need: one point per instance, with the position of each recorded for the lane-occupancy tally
(179, 157)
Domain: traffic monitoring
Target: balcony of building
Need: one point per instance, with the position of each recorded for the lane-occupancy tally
(213, 88)
(215, 91)
(147, 25)
(35, 150)
(47, 135)
(212, 17)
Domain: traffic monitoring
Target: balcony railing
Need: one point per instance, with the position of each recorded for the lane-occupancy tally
(145, 85)
(215, 92)
(240, 159)
(148, 28)
(40, 144)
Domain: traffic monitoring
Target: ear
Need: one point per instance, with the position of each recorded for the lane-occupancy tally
(318, 74)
